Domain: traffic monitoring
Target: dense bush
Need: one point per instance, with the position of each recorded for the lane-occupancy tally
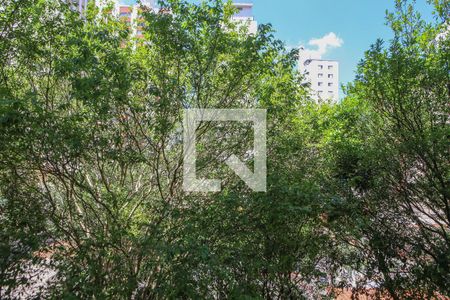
(91, 160)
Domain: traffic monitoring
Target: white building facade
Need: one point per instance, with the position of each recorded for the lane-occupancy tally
(245, 15)
(323, 77)
(130, 13)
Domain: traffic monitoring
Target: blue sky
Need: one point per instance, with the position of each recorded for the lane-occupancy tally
(348, 27)
(356, 25)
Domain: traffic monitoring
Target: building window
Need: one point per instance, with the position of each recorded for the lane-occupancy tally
(330, 84)
(330, 67)
(320, 75)
(330, 92)
(330, 76)
(320, 67)
(320, 83)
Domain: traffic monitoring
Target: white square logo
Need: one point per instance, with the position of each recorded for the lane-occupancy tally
(256, 180)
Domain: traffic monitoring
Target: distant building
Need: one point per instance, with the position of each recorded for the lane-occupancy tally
(131, 13)
(321, 74)
(245, 15)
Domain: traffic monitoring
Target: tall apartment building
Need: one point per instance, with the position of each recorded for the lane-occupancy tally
(245, 15)
(131, 13)
(323, 76)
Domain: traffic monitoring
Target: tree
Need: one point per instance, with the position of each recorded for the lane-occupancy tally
(390, 162)
(91, 132)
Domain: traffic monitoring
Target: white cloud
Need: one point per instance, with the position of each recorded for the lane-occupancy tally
(322, 45)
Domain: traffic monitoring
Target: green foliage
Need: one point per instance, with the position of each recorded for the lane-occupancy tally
(91, 159)
(388, 161)
(91, 128)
